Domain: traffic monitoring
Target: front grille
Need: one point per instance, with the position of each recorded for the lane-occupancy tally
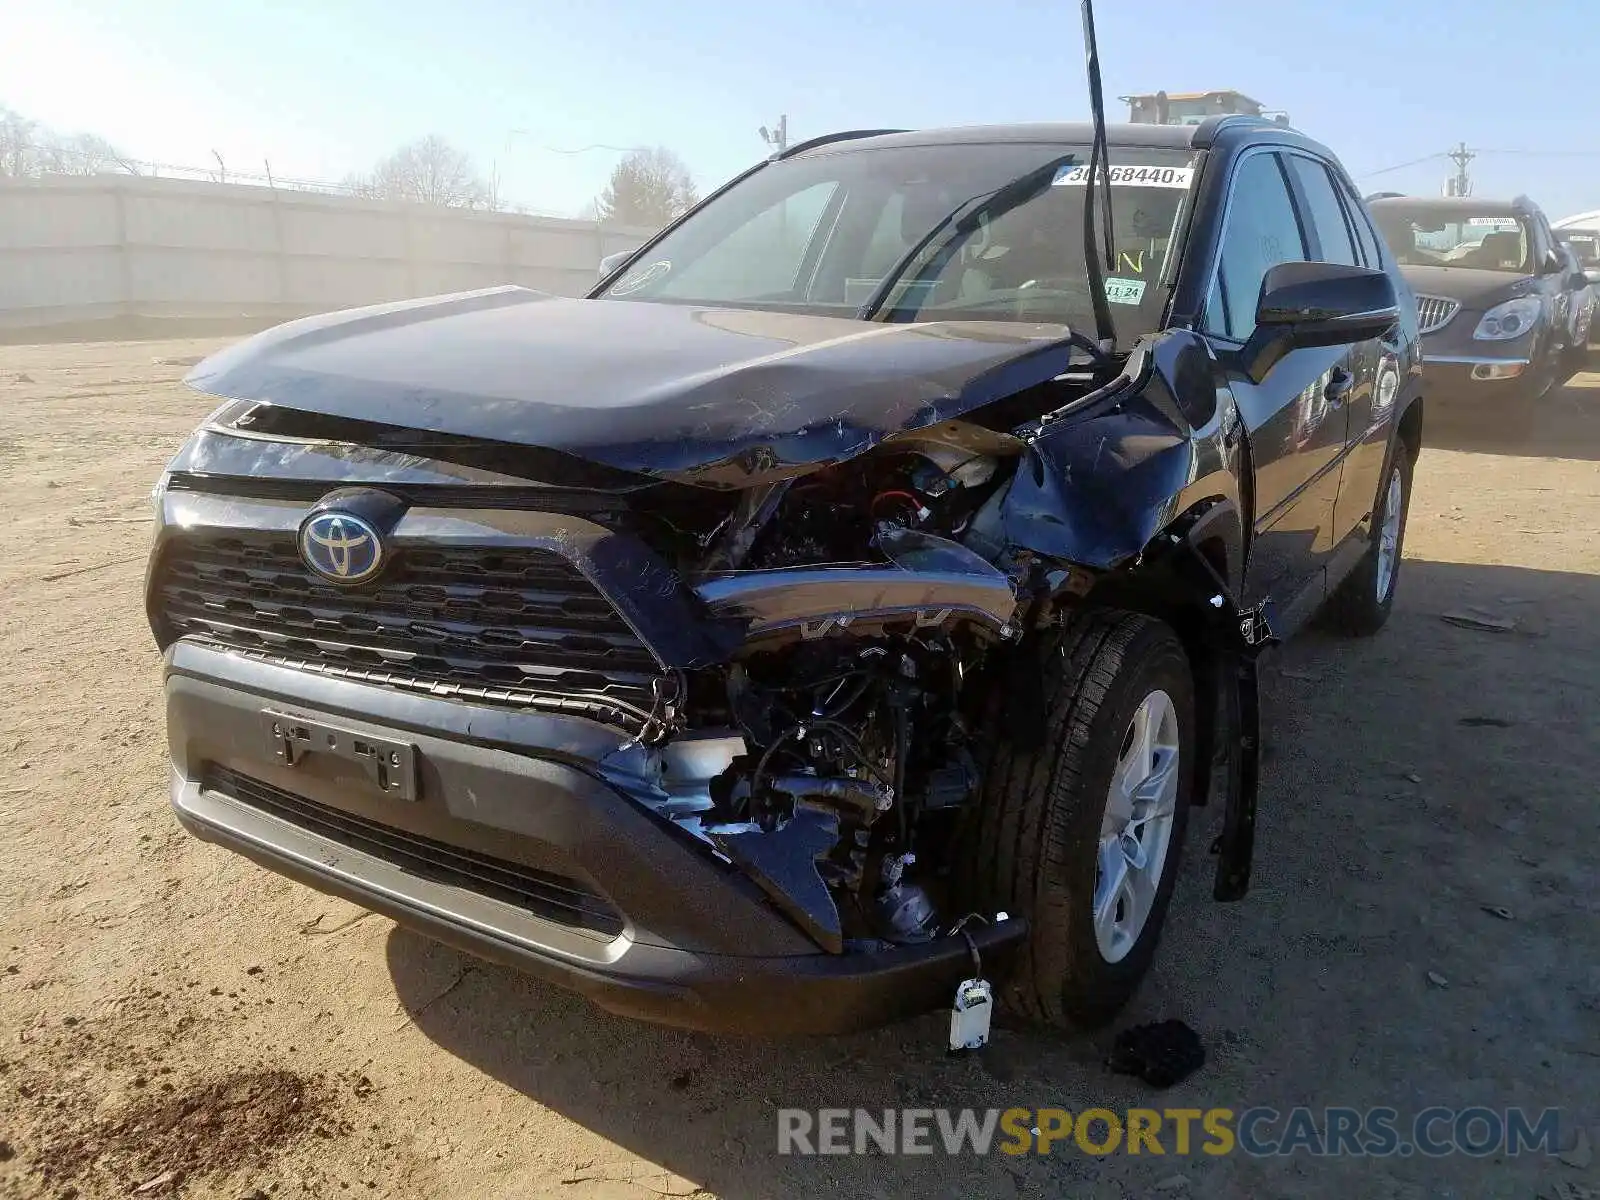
(544, 894)
(1435, 312)
(517, 627)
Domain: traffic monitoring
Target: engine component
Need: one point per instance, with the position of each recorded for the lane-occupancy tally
(868, 798)
(904, 911)
(950, 785)
(831, 517)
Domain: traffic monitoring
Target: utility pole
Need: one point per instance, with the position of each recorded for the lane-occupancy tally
(1461, 183)
(778, 138)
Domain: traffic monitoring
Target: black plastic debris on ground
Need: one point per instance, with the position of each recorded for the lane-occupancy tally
(1161, 1054)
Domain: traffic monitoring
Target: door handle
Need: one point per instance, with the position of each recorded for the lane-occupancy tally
(1339, 386)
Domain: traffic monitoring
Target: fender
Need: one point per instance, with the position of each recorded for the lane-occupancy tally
(1098, 486)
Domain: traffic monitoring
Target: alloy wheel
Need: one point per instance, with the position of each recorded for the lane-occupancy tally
(1136, 830)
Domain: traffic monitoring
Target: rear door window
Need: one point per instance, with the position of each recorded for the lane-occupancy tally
(1365, 234)
(1324, 211)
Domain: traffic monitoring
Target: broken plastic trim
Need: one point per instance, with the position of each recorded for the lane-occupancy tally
(1238, 636)
(783, 863)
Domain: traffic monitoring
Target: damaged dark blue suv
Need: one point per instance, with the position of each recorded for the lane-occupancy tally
(866, 579)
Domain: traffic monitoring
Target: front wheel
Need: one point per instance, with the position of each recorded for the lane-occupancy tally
(1082, 833)
(1574, 358)
(1362, 603)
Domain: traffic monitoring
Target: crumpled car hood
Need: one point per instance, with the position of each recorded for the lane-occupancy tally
(714, 395)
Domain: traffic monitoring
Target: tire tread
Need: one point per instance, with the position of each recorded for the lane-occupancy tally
(1025, 842)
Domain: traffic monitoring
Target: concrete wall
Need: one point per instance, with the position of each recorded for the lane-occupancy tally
(80, 250)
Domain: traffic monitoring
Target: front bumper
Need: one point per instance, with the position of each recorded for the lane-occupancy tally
(1464, 375)
(504, 795)
(1474, 383)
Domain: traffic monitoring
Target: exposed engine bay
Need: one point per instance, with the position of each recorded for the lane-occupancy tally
(837, 516)
(849, 744)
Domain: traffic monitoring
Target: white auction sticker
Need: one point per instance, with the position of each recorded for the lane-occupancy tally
(1495, 222)
(1124, 291)
(1126, 176)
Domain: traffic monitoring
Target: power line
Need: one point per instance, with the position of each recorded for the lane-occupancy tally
(1548, 153)
(516, 133)
(1415, 162)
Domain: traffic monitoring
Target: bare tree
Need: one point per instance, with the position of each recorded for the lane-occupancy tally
(84, 154)
(427, 171)
(648, 187)
(28, 150)
(19, 138)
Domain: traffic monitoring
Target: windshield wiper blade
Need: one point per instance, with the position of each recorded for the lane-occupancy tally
(960, 219)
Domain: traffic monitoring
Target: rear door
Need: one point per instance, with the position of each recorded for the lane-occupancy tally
(1295, 418)
(1399, 362)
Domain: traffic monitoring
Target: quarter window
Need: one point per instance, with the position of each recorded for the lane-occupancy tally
(1322, 207)
(1262, 232)
(1364, 232)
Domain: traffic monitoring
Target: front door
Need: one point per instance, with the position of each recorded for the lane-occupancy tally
(1296, 418)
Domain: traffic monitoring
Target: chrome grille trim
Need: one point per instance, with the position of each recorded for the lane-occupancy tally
(465, 610)
(1435, 312)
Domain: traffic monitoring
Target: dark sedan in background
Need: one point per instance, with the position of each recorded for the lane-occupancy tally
(1494, 293)
(1585, 243)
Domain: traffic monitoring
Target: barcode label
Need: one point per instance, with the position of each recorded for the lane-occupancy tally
(1124, 176)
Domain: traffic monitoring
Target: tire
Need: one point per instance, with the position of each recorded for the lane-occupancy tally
(1039, 830)
(1516, 421)
(1573, 360)
(1361, 605)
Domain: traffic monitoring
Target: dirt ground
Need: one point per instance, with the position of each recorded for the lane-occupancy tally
(173, 1019)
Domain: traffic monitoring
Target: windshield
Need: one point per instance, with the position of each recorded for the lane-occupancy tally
(1421, 236)
(1585, 244)
(824, 232)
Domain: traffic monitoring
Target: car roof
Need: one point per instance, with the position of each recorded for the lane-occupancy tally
(1468, 205)
(1078, 133)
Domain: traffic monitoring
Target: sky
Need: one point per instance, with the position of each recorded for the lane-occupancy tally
(322, 88)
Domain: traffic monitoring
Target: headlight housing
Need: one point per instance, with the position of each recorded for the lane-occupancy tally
(1511, 319)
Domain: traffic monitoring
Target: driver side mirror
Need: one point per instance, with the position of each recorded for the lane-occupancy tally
(1317, 304)
(1553, 263)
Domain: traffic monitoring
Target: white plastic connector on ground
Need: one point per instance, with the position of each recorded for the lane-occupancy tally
(969, 1016)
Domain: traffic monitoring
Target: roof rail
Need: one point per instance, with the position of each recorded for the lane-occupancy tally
(828, 138)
